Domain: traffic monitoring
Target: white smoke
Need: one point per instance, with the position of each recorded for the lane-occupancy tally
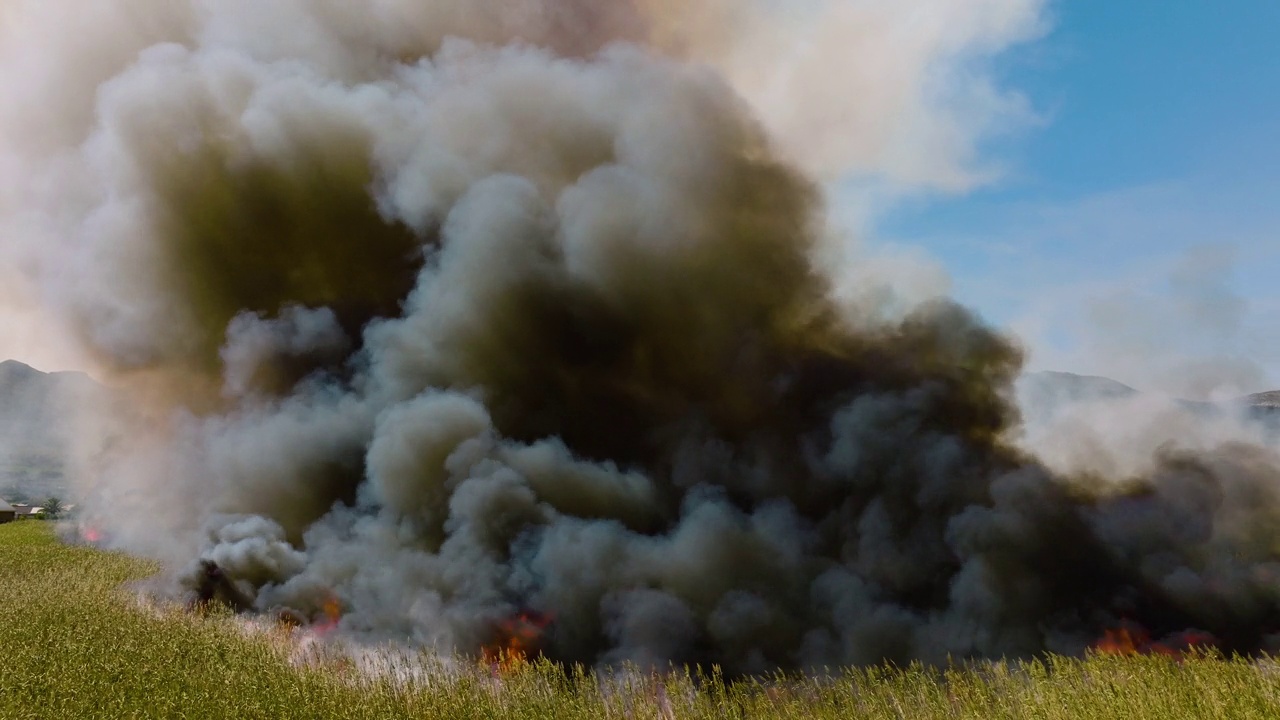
(891, 93)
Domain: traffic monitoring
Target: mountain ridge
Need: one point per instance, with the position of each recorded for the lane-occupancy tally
(34, 431)
(34, 405)
(1098, 387)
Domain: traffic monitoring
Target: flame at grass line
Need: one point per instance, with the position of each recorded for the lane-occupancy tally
(87, 534)
(518, 640)
(1134, 640)
(330, 616)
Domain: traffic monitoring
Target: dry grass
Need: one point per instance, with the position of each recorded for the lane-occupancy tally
(74, 644)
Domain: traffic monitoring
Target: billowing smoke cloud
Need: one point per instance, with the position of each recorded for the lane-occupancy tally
(454, 311)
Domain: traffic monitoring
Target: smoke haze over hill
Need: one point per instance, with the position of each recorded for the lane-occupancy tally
(457, 311)
(39, 428)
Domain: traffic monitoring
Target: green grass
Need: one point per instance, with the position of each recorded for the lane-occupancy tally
(74, 643)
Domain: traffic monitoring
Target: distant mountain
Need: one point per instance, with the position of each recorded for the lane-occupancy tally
(1265, 407)
(1049, 389)
(35, 408)
(1046, 390)
(1264, 400)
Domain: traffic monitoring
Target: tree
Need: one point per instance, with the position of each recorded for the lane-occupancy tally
(52, 508)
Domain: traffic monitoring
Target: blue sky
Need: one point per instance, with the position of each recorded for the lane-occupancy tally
(1135, 230)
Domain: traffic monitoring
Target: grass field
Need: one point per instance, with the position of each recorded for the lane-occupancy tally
(74, 644)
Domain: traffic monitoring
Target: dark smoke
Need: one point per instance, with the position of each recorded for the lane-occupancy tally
(472, 331)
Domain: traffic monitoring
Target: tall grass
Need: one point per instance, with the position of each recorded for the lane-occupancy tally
(73, 644)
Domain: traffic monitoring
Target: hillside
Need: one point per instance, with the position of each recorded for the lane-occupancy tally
(1051, 388)
(1264, 399)
(35, 408)
(1046, 390)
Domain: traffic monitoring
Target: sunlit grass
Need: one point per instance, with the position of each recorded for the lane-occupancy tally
(74, 644)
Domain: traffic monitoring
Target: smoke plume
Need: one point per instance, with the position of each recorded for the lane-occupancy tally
(460, 311)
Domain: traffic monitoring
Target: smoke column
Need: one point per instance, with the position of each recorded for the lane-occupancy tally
(455, 311)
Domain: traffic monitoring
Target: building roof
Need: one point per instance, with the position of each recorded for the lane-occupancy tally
(6, 507)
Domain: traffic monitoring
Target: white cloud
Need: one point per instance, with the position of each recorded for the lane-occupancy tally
(900, 92)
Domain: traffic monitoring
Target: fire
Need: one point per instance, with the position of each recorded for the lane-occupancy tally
(330, 614)
(91, 535)
(1121, 641)
(1135, 640)
(517, 639)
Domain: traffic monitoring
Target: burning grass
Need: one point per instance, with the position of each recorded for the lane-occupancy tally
(74, 644)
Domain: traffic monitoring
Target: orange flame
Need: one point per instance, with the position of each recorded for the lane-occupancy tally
(91, 534)
(1121, 641)
(330, 614)
(1130, 641)
(517, 639)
